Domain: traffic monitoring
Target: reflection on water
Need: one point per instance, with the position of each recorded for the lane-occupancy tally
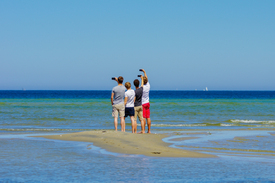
(35, 159)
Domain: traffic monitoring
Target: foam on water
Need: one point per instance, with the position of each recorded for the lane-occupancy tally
(176, 125)
(252, 121)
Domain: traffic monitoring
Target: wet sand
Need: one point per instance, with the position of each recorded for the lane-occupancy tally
(128, 143)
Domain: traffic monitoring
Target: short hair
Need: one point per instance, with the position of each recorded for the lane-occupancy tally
(136, 83)
(145, 80)
(128, 85)
(120, 79)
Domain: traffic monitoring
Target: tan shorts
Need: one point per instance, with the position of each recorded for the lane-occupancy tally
(138, 113)
(118, 108)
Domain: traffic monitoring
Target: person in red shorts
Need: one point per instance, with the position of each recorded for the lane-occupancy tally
(145, 101)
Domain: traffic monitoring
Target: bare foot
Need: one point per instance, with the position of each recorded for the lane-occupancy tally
(149, 132)
(140, 132)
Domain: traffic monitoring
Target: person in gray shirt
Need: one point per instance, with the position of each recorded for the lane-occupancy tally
(117, 100)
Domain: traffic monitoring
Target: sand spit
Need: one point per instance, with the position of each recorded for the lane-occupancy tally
(128, 143)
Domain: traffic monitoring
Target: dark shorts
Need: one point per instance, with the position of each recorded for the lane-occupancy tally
(129, 111)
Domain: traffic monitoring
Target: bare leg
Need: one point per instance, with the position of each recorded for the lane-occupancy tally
(135, 126)
(122, 122)
(149, 125)
(142, 123)
(133, 123)
(115, 123)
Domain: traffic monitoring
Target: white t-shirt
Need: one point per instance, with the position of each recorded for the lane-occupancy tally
(145, 95)
(131, 96)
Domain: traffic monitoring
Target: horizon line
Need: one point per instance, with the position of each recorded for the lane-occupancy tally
(150, 90)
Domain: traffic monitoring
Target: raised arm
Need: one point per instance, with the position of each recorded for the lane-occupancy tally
(141, 77)
(112, 95)
(145, 75)
(116, 79)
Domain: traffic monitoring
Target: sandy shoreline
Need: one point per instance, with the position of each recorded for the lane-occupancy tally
(128, 143)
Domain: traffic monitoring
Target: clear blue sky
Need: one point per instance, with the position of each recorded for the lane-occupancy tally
(185, 45)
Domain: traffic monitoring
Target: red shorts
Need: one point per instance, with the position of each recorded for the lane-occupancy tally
(146, 110)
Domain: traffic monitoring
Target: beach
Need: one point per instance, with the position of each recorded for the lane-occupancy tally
(128, 143)
(106, 155)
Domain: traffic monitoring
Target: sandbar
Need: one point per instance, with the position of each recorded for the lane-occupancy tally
(127, 143)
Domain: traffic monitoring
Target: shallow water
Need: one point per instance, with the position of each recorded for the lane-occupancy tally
(235, 126)
(248, 143)
(26, 159)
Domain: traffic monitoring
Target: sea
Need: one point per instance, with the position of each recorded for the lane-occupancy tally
(236, 126)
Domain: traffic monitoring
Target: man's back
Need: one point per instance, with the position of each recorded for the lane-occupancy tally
(138, 96)
(119, 92)
(145, 95)
(130, 94)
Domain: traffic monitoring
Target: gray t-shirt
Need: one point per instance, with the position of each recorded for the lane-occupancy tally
(119, 92)
(139, 93)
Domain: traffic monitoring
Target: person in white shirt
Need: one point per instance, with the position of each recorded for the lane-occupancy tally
(129, 105)
(145, 101)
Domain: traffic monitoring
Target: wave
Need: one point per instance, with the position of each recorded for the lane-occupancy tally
(227, 124)
(264, 124)
(250, 121)
(167, 125)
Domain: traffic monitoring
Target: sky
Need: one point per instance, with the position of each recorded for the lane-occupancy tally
(182, 45)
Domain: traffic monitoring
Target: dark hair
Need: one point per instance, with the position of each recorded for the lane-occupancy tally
(120, 79)
(136, 82)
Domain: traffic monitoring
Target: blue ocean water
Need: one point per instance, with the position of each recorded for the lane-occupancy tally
(154, 94)
(224, 115)
(84, 110)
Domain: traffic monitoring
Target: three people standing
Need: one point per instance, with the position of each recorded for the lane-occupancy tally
(137, 103)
